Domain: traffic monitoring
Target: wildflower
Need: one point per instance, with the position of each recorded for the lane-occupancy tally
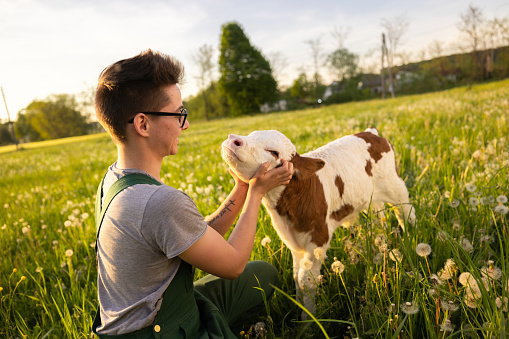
(84, 216)
(44, 227)
(456, 225)
(22, 278)
(501, 209)
(305, 264)
(55, 242)
(395, 255)
(380, 239)
(471, 301)
(501, 303)
(1, 289)
(435, 280)
(14, 270)
(25, 230)
(442, 236)
(38, 270)
(209, 178)
(69, 253)
(447, 194)
(449, 305)
(502, 199)
(423, 249)
(449, 269)
(447, 326)
(454, 203)
(486, 239)
(265, 241)
(319, 253)
(491, 271)
(63, 264)
(377, 259)
(471, 187)
(6, 205)
(260, 329)
(4, 226)
(67, 223)
(319, 279)
(337, 266)
(466, 244)
(485, 201)
(474, 202)
(391, 308)
(410, 307)
(434, 293)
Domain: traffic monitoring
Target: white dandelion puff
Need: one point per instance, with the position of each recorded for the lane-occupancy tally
(410, 307)
(501, 303)
(454, 203)
(69, 253)
(337, 266)
(493, 272)
(502, 199)
(447, 326)
(265, 241)
(474, 202)
(466, 244)
(423, 249)
(395, 255)
(471, 187)
(501, 209)
(449, 305)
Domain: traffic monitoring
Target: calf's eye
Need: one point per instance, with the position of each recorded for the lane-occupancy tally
(275, 154)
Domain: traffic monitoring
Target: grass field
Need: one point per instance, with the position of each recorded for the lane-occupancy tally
(452, 151)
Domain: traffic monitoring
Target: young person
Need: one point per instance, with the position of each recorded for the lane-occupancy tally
(151, 234)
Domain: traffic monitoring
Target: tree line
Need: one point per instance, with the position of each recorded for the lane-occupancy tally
(249, 81)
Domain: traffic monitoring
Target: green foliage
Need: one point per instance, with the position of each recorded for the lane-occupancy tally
(208, 104)
(445, 142)
(343, 63)
(246, 76)
(56, 117)
(5, 134)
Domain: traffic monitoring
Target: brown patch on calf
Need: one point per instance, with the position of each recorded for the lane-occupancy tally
(368, 168)
(340, 185)
(378, 145)
(343, 212)
(303, 200)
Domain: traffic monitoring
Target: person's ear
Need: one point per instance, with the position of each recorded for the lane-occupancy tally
(142, 125)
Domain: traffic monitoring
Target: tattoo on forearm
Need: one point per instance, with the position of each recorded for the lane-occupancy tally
(223, 211)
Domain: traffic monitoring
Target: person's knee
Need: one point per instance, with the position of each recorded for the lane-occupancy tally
(265, 273)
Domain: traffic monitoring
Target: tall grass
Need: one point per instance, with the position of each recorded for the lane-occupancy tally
(452, 151)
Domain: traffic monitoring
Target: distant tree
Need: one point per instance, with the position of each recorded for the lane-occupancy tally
(203, 58)
(246, 76)
(394, 30)
(471, 27)
(343, 63)
(340, 34)
(278, 63)
(301, 88)
(5, 134)
(316, 52)
(23, 128)
(56, 117)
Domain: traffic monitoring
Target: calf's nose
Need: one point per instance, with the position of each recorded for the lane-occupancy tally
(235, 141)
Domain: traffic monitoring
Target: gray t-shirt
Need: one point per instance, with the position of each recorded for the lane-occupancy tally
(144, 230)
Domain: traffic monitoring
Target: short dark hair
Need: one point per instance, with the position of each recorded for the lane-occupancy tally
(133, 85)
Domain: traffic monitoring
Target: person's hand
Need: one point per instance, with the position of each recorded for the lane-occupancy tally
(263, 181)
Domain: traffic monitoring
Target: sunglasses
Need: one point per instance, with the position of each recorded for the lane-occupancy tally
(182, 116)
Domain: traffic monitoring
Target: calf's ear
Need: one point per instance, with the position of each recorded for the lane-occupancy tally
(305, 167)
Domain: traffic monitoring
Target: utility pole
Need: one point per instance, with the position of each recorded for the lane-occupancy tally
(382, 77)
(386, 53)
(11, 127)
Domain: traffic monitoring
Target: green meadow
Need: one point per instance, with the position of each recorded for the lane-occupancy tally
(447, 277)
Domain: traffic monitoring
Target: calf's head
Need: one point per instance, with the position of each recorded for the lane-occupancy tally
(245, 154)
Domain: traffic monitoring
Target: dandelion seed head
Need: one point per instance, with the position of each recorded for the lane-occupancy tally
(501, 209)
(260, 329)
(395, 255)
(471, 187)
(501, 303)
(423, 249)
(501, 199)
(454, 203)
(493, 272)
(38, 269)
(337, 267)
(69, 253)
(456, 225)
(466, 244)
(449, 305)
(377, 259)
(410, 307)
(485, 201)
(435, 280)
(265, 241)
(447, 326)
(474, 202)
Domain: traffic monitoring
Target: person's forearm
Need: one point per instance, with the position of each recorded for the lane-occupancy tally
(243, 235)
(222, 219)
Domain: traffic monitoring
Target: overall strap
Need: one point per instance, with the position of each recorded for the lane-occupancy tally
(117, 187)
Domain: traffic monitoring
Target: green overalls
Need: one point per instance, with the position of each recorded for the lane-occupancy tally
(186, 312)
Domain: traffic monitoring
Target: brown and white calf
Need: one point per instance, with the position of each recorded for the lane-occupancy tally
(329, 188)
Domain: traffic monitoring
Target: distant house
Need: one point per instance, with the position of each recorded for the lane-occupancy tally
(333, 88)
(373, 82)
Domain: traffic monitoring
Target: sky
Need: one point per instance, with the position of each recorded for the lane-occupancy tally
(61, 46)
